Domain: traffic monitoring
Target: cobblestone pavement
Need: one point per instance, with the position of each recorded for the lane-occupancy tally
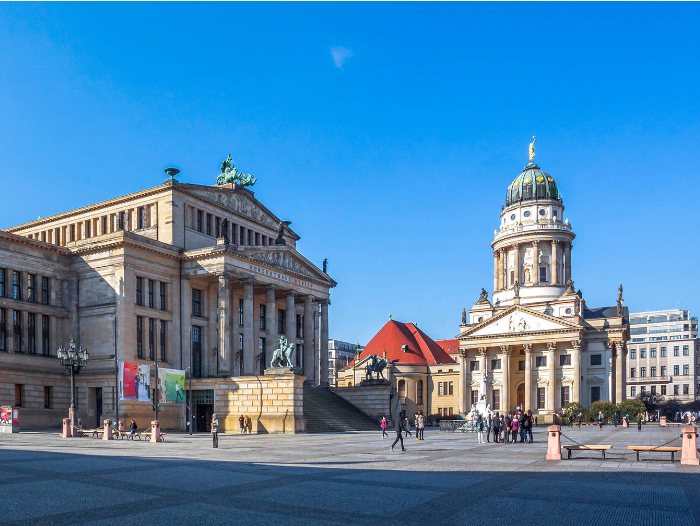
(348, 478)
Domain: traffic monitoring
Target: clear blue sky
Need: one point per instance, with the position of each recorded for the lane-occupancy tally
(388, 133)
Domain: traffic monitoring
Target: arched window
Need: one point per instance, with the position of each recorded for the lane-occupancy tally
(402, 390)
(419, 392)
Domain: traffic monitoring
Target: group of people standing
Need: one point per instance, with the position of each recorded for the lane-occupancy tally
(506, 427)
(403, 425)
(245, 424)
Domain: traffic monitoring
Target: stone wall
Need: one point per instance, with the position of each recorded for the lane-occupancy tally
(373, 400)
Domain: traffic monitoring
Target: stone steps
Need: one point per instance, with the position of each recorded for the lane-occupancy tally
(326, 412)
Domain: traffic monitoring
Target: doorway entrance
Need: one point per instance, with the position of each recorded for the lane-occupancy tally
(202, 409)
(521, 397)
(98, 406)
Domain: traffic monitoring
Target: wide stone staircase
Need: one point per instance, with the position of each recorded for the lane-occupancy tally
(326, 412)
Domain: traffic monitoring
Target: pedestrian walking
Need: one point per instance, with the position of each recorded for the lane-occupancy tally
(601, 419)
(571, 420)
(421, 426)
(527, 424)
(521, 421)
(480, 429)
(383, 425)
(579, 419)
(535, 420)
(215, 430)
(615, 420)
(514, 425)
(241, 423)
(639, 422)
(407, 427)
(627, 418)
(399, 429)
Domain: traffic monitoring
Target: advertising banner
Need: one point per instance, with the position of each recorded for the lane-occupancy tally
(171, 386)
(134, 382)
(5, 416)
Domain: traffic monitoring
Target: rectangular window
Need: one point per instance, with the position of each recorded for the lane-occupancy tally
(257, 239)
(151, 338)
(31, 333)
(521, 365)
(686, 370)
(439, 411)
(47, 397)
(139, 291)
(196, 302)
(652, 352)
(88, 232)
(163, 339)
(565, 359)
(543, 274)
(540, 398)
(663, 390)
(633, 391)
(496, 364)
(595, 393)
(104, 225)
(151, 291)
(16, 285)
(196, 351)
(686, 389)
(240, 313)
(300, 326)
(263, 312)
(139, 337)
(2, 282)
(633, 372)
(564, 395)
(496, 399)
(642, 353)
(540, 361)
(652, 371)
(512, 277)
(663, 352)
(240, 354)
(281, 314)
(262, 354)
(17, 330)
(663, 370)
(217, 227)
(450, 409)
(45, 332)
(241, 236)
(676, 370)
(653, 389)
(451, 388)
(440, 389)
(19, 391)
(31, 288)
(633, 354)
(3, 335)
(45, 290)
(596, 359)
(140, 217)
(676, 390)
(642, 372)
(163, 296)
(209, 224)
(473, 366)
(121, 224)
(200, 221)
(676, 350)
(685, 351)
(642, 390)
(250, 238)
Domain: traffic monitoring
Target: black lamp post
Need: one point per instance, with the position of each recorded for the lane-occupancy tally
(72, 359)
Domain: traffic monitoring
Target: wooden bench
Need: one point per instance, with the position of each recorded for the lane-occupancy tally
(127, 434)
(602, 449)
(662, 449)
(147, 435)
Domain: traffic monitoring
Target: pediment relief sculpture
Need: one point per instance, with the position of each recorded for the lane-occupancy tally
(281, 260)
(241, 205)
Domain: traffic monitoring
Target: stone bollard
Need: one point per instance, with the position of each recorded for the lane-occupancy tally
(155, 431)
(554, 443)
(121, 425)
(107, 434)
(689, 454)
(662, 421)
(624, 423)
(67, 429)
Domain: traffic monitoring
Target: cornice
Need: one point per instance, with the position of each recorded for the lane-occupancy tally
(34, 243)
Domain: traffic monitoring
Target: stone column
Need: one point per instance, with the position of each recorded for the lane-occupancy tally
(249, 349)
(291, 323)
(576, 362)
(516, 263)
(504, 268)
(536, 262)
(324, 342)
(496, 263)
(554, 263)
(309, 366)
(270, 324)
(463, 386)
(185, 328)
(505, 362)
(619, 372)
(567, 262)
(552, 370)
(224, 312)
(482, 361)
(528, 376)
(610, 348)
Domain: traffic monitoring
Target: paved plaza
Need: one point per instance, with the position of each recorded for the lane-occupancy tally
(350, 478)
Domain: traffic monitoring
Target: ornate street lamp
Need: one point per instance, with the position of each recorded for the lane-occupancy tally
(72, 359)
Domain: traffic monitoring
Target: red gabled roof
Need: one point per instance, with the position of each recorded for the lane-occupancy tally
(449, 346)
(420, 349)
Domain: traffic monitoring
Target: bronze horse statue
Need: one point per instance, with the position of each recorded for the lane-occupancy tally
(375, 365)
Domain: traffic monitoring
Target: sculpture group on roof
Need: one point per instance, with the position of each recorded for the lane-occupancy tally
(230, 174)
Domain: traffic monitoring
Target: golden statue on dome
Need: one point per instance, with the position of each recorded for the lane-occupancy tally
(532, 149)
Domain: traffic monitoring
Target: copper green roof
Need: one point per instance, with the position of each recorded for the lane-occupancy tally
(531, 185)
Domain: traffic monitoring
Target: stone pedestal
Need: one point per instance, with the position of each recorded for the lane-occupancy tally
(107, 430)
(67, 428)
(276, 371)
(662, 421)
(554, 443)
(372, 397)
(155, 431)
(689, 454)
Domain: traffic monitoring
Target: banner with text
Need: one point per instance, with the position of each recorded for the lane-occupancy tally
(134, 382)
(171, 386)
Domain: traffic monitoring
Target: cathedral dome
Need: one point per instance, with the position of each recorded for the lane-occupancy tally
(531, 185)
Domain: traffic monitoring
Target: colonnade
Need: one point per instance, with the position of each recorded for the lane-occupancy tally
(560, 260)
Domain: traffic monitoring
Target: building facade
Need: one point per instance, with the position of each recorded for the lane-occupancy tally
(663, 355)
(340, 354)
(205, 278)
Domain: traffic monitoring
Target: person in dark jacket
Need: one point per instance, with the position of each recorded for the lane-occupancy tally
(507, 421)
(399, 429)
(494, 428)
(521, 421)
(527, 426)
(639, 422)
(489, 423)
(133, 428)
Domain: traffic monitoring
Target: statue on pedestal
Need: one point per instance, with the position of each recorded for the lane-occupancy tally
(281, 358)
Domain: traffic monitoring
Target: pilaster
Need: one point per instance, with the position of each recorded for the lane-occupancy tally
(528, 376)
(552, 379)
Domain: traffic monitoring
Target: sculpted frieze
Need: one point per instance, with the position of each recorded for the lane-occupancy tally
(281, 260)
(240, 205)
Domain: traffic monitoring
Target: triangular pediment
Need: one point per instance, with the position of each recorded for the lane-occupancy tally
(518, 320)
(285, 259)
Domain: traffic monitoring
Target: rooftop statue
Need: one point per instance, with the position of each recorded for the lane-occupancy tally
(532, 149)
(230, 174)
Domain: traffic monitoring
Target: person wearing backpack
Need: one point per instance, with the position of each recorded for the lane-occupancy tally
(527, 426)
(480, 429)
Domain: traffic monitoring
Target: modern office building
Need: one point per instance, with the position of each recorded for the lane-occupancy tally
(663, 354)
(340, 354)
